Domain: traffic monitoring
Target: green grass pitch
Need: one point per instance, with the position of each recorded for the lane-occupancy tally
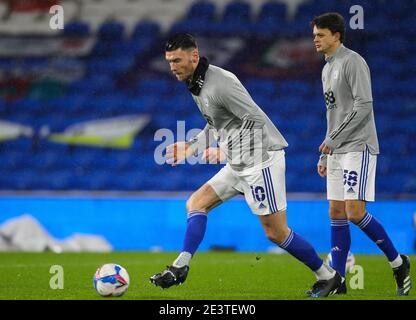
(213, 276)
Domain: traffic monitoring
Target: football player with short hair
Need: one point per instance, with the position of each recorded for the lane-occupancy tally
(254, 150)
(349, 151)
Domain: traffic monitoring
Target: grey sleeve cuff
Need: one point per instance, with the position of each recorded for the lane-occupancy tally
(196, 146)
(322, 160)
(330, 143)
(201, 141)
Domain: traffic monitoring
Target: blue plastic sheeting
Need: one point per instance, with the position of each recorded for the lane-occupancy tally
(143, 223)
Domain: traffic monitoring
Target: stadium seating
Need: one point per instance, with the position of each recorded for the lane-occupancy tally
(123, 73)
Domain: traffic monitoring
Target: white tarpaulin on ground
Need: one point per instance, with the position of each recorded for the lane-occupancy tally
(25, 233)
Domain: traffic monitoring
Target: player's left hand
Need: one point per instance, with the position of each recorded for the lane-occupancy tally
(321, 171)
(177, 153)
(323, 148)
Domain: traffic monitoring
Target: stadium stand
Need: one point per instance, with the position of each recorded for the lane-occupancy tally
(108, 62)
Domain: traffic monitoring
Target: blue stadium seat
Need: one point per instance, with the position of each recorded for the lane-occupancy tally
(93, 181)
(202, 11)
(131, 48)
(291, 105)
(407, 125)
(195, 121)
(321, 6)
(104, 104)
(237, 11)
(83, 158)
(28, 106)
(197, 27)
(266, 103)
(154, 86)
(11, 160)
(236, 20)
(304, 14)
(22, 145)
(148, 102)
(126, 182)
(272, 19)
(91, 85)
(199, 19)
(410, 186)
(103, 49)
(43, 161)
(123, 161)
(144, 29)
(68, 104)
(294, 87)
(381, 86)
(76, 29)
(182, 104)
(230, 28)
(404, 88)
(264, 87)
(407, 164)
(141, 104)
(55, 121)
(7, 64)
(34, 64)
(110, 65)
(111, 30)
(58, 180)
(26, 179)
(4, 106)
(179, 87)
(164, 120)
(393, 183)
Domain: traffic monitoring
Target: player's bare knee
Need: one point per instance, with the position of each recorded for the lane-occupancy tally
(194, 203)
(271, 235)
(204, 199)
(355, 216)
(277, 236)
(355, 211)
(337, 211)
(337, 214)
(188, 204)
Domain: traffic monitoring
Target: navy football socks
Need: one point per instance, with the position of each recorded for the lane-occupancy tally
(340, 244)
(195, 230)
(375, 231)
(302, 250)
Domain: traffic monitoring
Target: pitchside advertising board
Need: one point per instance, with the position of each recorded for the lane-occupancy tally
(136, 220)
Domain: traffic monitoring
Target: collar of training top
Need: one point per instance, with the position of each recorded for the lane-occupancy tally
(197, 81)
(332, 57)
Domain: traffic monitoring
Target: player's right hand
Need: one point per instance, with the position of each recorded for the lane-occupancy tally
(213, 155)
(177, 152)
(321, 171)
